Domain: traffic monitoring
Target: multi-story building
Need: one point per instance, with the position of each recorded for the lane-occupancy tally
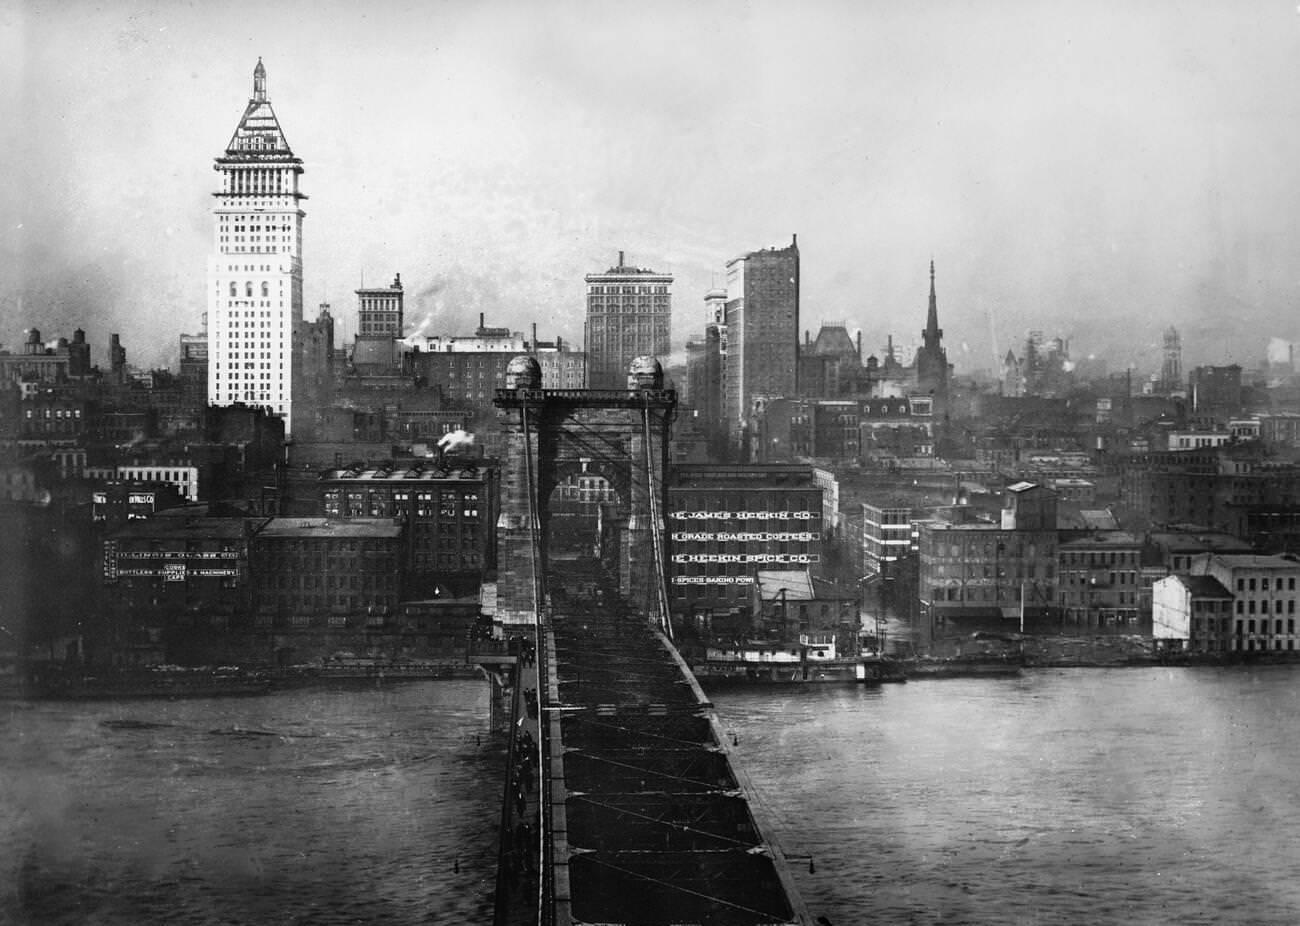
(469, 370)
(762, 320)
(703, 393)
(380, 318)
(888, 535)
(562, 368)
(1215, 391)
(726, 522)
(380, 311)
(44, 363)
(1232, 489)
(118, 502)
(255, 271)
(194, 356)
(1099, 581)
(1192, 614)
(178, 471)
(977, 575)
(448, 507)
(842, 429)
(168, 574)
(629, 315)
(309, 569)
(1264, 597)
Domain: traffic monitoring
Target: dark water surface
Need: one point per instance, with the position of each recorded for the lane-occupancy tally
(1138, 796)
(320, 806)
(1133, 796)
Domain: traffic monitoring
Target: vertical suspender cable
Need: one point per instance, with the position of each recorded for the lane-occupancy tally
(656, 527)
(545, 890)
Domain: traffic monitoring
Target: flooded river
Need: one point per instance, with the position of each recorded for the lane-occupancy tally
(1129, 796)
(1137, 796)
(353, 806)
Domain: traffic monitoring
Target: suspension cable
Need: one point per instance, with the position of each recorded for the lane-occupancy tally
(656, 528)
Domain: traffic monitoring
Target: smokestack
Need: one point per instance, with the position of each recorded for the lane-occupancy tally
(534, 337)
(859, 345)
(620, 258)
(481, 323)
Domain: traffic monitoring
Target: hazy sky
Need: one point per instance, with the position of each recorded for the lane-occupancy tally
(1096, 170)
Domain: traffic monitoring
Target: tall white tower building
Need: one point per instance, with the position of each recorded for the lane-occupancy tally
(255, 272)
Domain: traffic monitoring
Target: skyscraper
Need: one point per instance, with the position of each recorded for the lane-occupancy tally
(255, 271)
(762, 321)
(380, 319)
(629, 315)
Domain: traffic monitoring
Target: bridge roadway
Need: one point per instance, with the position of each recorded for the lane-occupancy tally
(640, 817)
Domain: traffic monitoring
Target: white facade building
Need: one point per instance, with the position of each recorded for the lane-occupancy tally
(1264, 598)
(255, 271)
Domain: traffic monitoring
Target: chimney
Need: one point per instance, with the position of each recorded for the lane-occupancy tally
(859, 345)
(534, 337)
(620, 258)
(480, 320)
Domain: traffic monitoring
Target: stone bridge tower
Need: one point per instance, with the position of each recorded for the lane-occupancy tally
(552, 434)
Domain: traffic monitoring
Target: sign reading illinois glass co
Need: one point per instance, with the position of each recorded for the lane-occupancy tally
(744, 515)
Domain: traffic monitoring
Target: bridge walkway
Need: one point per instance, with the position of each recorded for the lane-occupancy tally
(648, 822)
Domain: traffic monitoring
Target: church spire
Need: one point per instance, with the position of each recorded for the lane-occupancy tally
(259, 81)
(933, 333)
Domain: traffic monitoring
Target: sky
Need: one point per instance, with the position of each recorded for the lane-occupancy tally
(1096, 171)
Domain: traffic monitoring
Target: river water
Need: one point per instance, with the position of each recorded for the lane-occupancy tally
(309, 806)
(1134, 796)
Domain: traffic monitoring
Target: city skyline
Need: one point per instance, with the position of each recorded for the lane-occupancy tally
(1096, 174)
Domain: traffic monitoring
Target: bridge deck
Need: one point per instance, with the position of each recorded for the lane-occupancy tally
(650, 821)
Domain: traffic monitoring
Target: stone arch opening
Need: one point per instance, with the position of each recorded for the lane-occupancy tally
(583, 510)
(616, 439)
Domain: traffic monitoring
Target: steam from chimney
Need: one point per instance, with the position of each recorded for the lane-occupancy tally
(453, 439)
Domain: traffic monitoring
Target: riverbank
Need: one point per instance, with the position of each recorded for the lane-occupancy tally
(173, 682)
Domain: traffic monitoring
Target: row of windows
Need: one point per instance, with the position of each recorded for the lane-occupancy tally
(1248, 607)
(378, 577)
(1122, 599)
(1099, 558)
(1213, 625)
(248, 289)
(1249, 584)
(256, 249)
(661, 289)
(58, 413)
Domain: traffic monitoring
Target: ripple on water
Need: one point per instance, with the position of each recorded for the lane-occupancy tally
(1069, 796)
(354, 807)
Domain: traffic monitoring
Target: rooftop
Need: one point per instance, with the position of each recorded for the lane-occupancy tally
(1103, 539)
(324, 527)
(1255, 561)
(427, 470)
(795, 583)
(185, 528)
(1204, 586)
